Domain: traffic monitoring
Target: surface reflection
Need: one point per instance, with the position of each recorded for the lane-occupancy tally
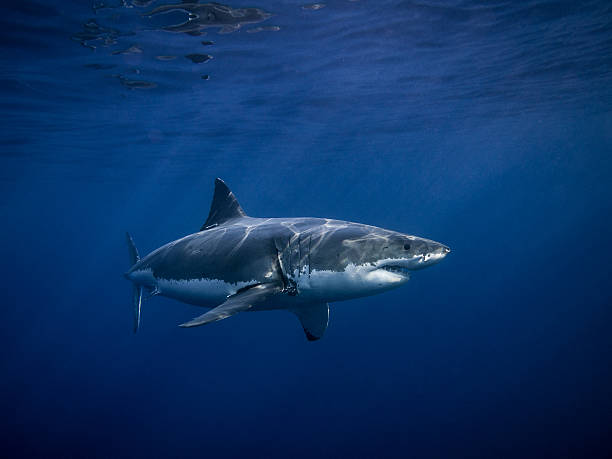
(201, 16)
(116, 19)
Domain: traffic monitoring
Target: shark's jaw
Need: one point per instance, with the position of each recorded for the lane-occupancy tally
(397, 270)
(413, 263)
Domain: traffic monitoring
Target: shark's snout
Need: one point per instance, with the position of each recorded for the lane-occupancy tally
(429, 254)
(435, 252)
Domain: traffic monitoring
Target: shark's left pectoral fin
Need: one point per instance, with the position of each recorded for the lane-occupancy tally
(314, 319)
(241, 301)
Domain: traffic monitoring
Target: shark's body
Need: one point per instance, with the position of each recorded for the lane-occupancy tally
(238, 263)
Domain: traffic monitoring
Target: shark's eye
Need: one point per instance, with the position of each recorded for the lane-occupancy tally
(406, 246)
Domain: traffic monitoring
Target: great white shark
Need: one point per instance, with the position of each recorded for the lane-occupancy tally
(238, 263)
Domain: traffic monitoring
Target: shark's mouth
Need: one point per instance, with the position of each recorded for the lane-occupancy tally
(397, 269)
(400, 265)
(407, 265)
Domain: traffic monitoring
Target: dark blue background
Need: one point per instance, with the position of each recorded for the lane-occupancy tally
(484, 125)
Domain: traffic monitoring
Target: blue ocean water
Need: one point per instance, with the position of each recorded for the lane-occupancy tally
(486, 125)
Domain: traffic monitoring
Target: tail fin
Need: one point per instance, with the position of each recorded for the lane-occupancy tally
(137, 292)
(137, 301)
(134, 257)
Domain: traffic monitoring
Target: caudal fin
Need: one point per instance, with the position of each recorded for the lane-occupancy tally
(137, 301)
(137, 289)
(134, 257)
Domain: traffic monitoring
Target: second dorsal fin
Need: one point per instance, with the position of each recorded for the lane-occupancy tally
(224, 206)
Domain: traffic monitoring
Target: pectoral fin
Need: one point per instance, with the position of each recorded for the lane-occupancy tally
(241, 301)
(314, 319)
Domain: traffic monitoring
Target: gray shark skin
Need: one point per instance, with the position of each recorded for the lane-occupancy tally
(239, 263)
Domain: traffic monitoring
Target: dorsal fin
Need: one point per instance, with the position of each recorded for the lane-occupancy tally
(224, 206)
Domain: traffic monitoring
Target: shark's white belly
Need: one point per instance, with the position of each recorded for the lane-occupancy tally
(354, 282)
(203, 292)
(314, 286)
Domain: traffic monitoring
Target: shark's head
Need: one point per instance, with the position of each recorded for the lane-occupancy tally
(359, 260)
(400, 254)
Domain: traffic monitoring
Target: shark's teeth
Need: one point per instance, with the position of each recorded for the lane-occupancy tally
(396, 269)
